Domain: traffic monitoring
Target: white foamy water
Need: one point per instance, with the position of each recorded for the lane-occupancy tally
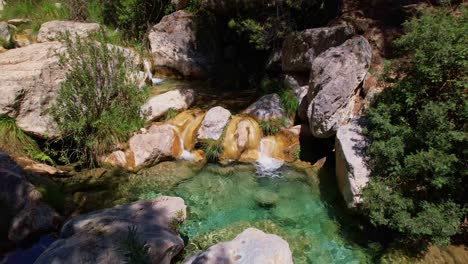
(266, 165)
(147, 67)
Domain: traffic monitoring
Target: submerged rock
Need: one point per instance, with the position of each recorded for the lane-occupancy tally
(173, 44)
(336, 75)
(178, 99)
(23, 212)
(301, 49)
(251, 246)
(158, 143)
(213, 124)
(352, 172)
(53, 30)
(29, 81)
(97, 237)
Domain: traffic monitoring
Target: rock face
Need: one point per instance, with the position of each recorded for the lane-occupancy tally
(251, 246)
(179, 99)
(52, 30)
(335, 76)
(158, 143)
(4, 31)
(180, 4)
(173, 44)
(300, 49)
(23, 213)
(266, 108)
(213, 124)
(97, 237)
(29, 80)
(351, 169)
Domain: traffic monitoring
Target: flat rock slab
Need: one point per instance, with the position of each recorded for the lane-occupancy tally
(53, 30)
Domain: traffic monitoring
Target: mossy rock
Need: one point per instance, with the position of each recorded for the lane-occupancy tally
(52, 193)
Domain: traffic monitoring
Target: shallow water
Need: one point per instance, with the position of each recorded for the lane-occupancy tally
(287, 205)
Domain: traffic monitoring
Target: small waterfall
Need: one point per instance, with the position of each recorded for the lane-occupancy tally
(266, 165)
(149, 75)
(186, 124)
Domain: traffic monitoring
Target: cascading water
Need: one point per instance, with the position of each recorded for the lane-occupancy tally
(147, 67)
(268, 166)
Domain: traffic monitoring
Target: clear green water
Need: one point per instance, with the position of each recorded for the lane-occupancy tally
(222, 204)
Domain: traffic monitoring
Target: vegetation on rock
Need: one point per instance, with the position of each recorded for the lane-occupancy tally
(418, 134)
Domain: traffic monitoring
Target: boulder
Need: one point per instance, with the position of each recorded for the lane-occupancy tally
(300, 49)
(251, 246)
(4, 32)
(29, 81)
(213, 124)
(351, 168)
(19, 21)
(267, 108)
(97, 237)
(336, 75)
(2, 5)
(23, 212)
(52, 30)
(158, 143)
(174, 45)
(180, 4)
(23, 38)
(178, 99)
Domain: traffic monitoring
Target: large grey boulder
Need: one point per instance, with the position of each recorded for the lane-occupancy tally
(53, 30)
(267, 108)
(97, 237)
(29, 80)
(213, 124)
(174, 45)
(351, 168)
(301, 48)
(336, 75)
(23, 212)
(251, 246)
(158, 143)
(178, 99)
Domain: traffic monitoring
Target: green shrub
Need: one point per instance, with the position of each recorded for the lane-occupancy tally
(272, 127)
(98, 105)
(14, 141)
(289, 102)
(171, 113)
(418, 134)
(212, 148)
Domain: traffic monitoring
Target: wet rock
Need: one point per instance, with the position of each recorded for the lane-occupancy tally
(351, 169)
(243, 134)
(267, 108)
(29, 81)
(19, 21)
(97, 237)
(178, 99)
(173, 45)
(213, 124)
(336, 75)
(266, 198)
(23, 38)
(251, 246)
(23, 212)
(301, 49)
(4, 32)
(53, 30)
(158, 143)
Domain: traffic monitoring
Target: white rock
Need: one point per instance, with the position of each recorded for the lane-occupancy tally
(52, 30)
(351, 169)
(4, 31)
(214, 122)
(267, 108)
(249, 247)
(179, 99)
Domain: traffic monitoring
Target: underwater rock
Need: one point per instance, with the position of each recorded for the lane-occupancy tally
(352, 172)
(29, 81)
(178, 99)
(23, 212)
(267, 108)
(213, 125)
(97, 237)
(158, 143)
(266, 198)
(53, 30)
(336, 75)
(301, 49)
(251, 246)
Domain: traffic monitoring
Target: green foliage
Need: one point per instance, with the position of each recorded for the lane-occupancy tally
(98, 105)
(171, 113)
(272, 127)
(212, 148)
(289, 102)
(297, 153)
(39, 11)
(417, 131)
(133, 248)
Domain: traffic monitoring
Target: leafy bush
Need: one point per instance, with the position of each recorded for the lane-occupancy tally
(417, 130)
(212, 148)
(171, 113)
(98, 105)
(272, 127)
(289, 102)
